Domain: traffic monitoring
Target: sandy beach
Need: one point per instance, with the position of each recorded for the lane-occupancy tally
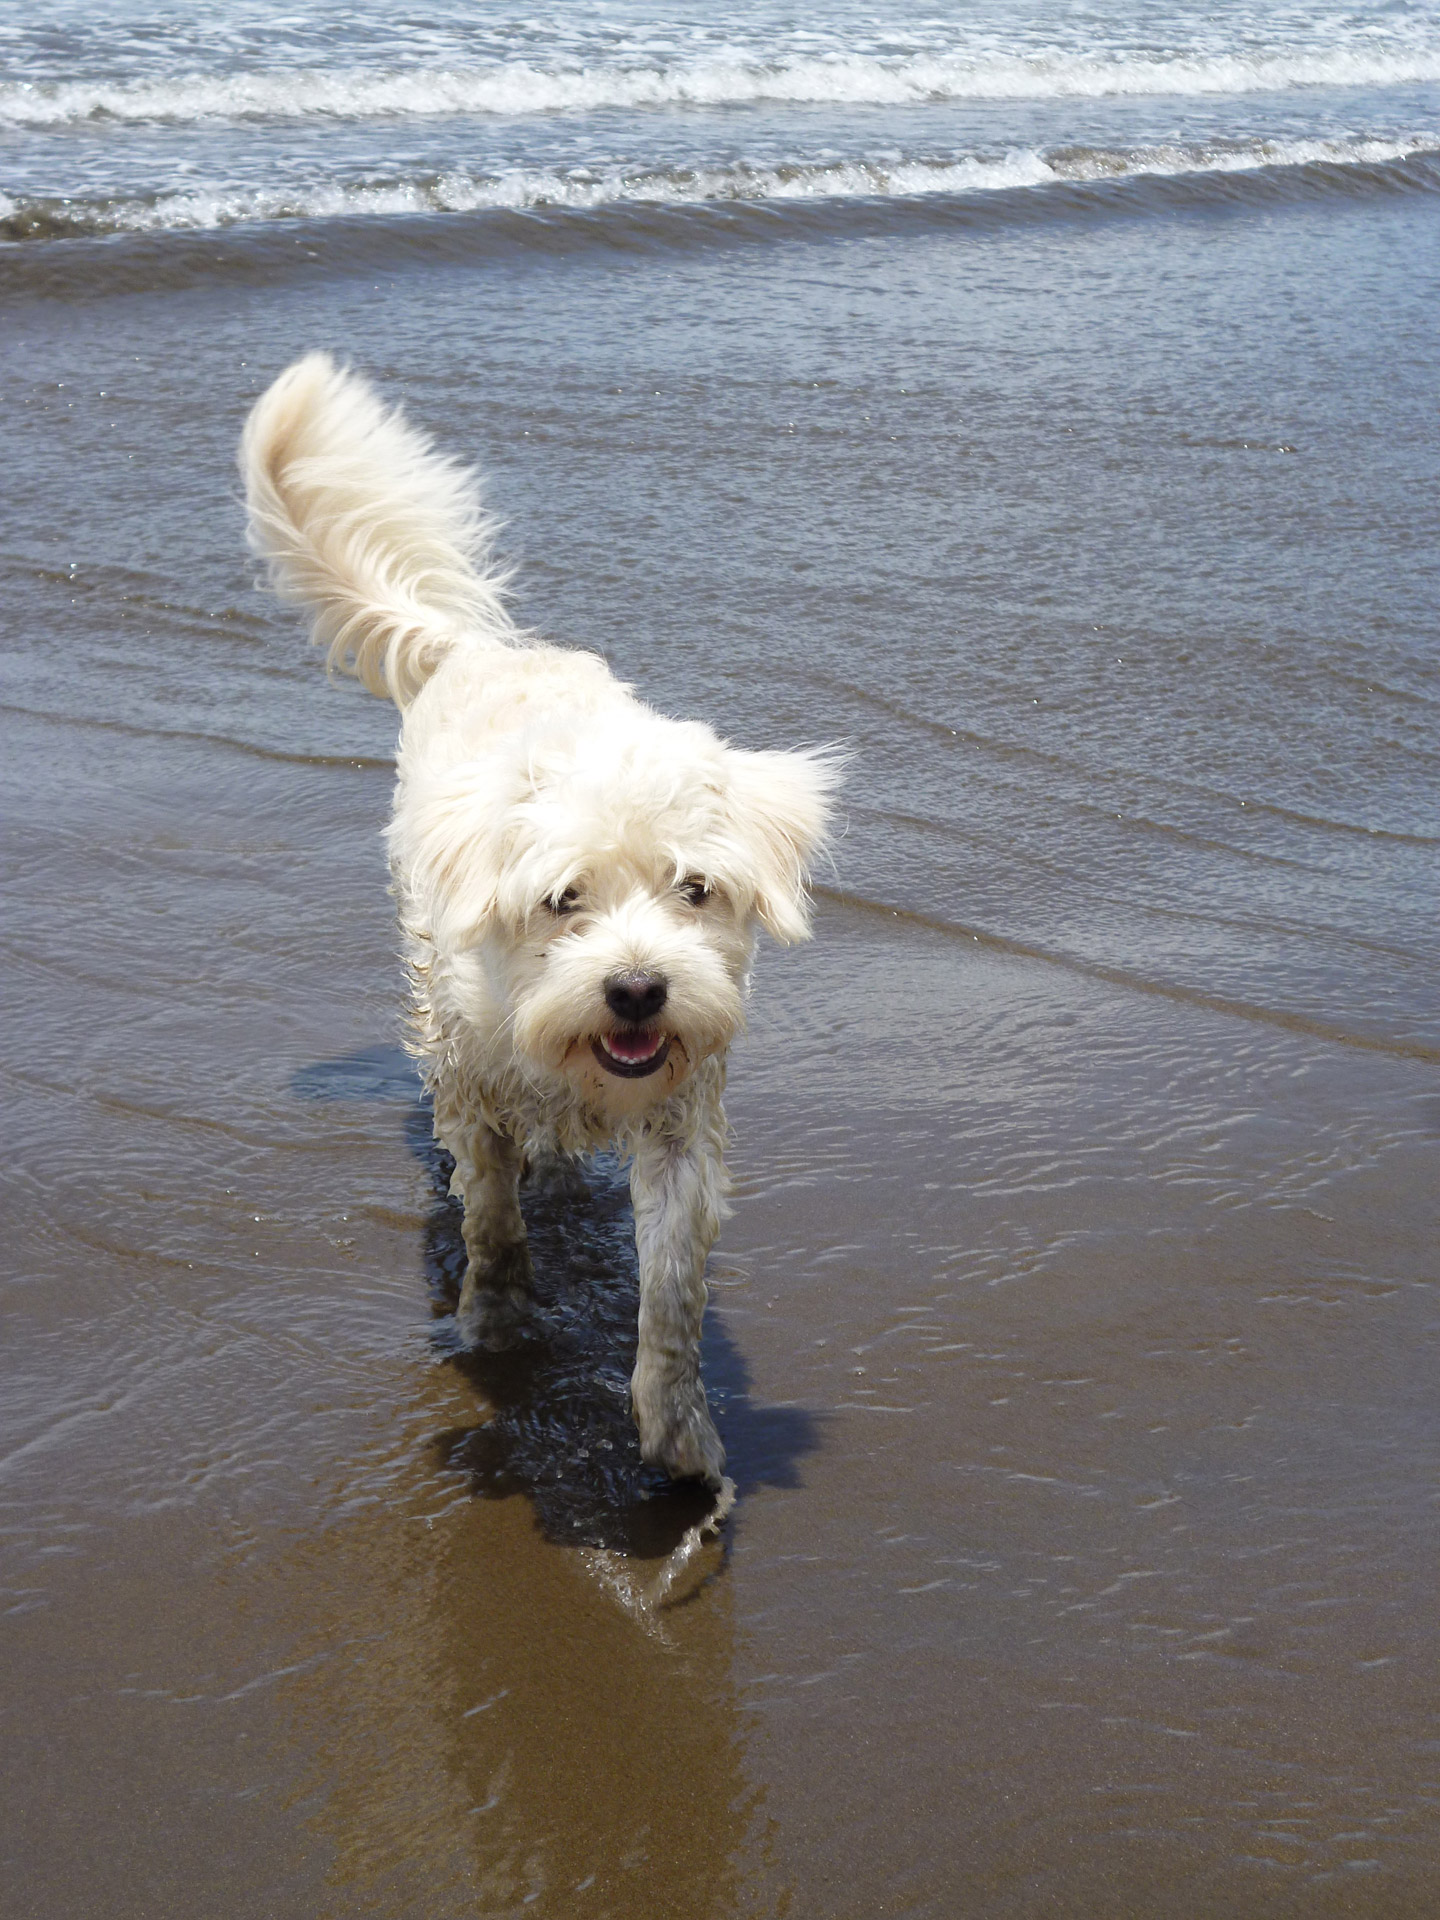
(1073, 1339)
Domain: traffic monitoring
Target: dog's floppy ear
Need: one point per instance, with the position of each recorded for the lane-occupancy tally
(449, 842)
(780, 803)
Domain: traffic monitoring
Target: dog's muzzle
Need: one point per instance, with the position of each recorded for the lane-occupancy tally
(634, 1050)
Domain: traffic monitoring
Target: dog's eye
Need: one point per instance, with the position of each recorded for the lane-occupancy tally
(563, 903)
(695, 891)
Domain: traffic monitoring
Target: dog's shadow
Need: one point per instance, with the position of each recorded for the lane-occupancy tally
(554, 1421)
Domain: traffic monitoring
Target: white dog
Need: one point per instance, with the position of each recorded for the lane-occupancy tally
(579, 880)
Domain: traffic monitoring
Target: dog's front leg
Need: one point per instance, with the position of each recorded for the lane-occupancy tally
(496, 1297)
(677, 1193)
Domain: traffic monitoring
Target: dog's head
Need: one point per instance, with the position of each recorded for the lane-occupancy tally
(598, 894)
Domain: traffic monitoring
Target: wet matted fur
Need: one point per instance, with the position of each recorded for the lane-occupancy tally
(580, 880)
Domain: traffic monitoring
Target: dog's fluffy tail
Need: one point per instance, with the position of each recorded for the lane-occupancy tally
(359, 517)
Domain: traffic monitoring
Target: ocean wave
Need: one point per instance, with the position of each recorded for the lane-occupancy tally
(521, 87)
(586, 189)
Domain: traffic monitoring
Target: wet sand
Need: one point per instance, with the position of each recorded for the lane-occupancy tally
(1073, 1337)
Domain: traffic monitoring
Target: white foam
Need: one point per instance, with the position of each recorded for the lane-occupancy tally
(520, 87)
(521, 189)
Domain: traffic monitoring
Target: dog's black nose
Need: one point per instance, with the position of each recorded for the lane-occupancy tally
(635, 996)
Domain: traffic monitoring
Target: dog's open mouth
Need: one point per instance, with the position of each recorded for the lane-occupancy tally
(633, 1053)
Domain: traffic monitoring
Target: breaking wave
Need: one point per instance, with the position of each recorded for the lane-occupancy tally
(520, 87)
(458, 191)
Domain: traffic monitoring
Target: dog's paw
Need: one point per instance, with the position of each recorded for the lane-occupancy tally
(676, 1431)
(496, 1303)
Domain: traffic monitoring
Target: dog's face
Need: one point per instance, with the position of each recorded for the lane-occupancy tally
(627, 976)
(598, 895)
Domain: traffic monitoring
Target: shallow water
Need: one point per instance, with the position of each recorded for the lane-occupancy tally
(1073, 1339)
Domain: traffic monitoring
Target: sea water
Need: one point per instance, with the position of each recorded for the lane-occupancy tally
(1038, 401)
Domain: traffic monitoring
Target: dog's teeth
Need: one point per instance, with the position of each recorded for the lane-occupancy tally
(625, 1055)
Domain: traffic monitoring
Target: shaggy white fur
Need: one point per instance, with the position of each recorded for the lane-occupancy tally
(579, 879)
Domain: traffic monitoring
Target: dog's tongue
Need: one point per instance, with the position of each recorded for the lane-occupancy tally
(632, 1046)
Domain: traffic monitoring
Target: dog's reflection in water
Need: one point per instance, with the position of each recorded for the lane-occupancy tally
(557, 1426)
